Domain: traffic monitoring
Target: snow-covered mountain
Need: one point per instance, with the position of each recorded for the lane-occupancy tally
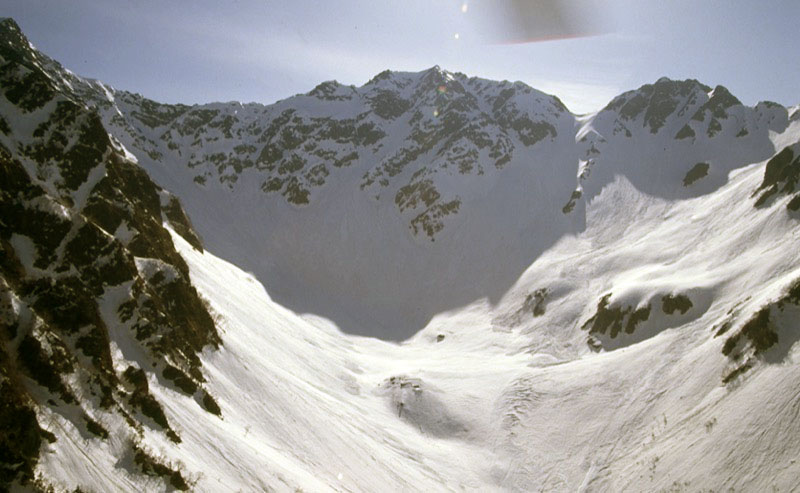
(605, 302)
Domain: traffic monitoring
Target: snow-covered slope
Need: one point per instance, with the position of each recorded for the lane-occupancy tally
(612, 305)
(495, 398)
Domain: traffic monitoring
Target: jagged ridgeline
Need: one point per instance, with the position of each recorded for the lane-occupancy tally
(95, 301)
(294, 148)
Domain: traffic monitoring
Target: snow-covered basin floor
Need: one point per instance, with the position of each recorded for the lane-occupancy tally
(305, 406)
(495, 406)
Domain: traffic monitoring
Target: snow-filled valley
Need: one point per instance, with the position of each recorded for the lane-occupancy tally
(494, 294)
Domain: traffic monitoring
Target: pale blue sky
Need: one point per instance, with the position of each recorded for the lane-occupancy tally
(265, 50)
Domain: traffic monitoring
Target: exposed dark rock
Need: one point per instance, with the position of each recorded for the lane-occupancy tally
(141, 399)
(733, 375)
(330, 91)
(611, 320)
(685, 132)
(180, 379)
(181, 223)
(759, 331)
(151, 466)
(95, 428)
(717, 105)
(536, 302)
(20, 433)
(388, 105)
(416, 194)
(210, 404)
(637, 316)
(656, 102)
(794, 204)
(573, 200)
(46, 368)
(714, 127)
(672, 303)
(431, 220)
(698, 171)
(759, 334)
(781, 176)
(22, 85)
(69, 191)
(722, 328)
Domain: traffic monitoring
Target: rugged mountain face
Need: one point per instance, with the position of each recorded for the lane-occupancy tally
(431, 175)
(427, 173)
(673, 139)
(94, 299)
(606, 302)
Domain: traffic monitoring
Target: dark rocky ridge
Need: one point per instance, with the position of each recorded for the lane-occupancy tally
(294, 151)
(656, 102)
(79, 221)
(758, 337)
(781, 177)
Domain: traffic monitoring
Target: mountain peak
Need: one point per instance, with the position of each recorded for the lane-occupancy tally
(11, 34)
(9, 23)
(658, 101)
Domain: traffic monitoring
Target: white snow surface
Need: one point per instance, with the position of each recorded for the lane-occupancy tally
(501, 402)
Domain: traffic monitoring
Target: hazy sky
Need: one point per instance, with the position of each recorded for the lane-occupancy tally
(265, 50)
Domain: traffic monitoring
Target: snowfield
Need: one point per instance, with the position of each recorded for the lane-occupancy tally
(475, 402)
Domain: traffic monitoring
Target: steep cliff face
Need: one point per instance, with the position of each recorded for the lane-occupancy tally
(94, 298)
